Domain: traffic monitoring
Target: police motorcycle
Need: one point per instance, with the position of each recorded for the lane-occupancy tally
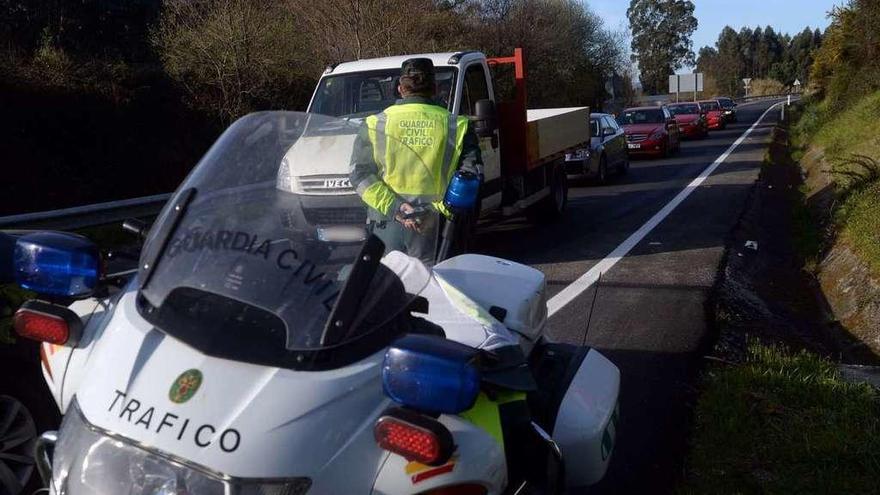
(268, 346)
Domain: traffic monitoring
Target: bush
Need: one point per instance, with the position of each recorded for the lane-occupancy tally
(51, 65)
(767, 87)
(847, 66)
(235, 56)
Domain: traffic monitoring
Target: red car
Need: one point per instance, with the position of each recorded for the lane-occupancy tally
(650, 131)
(691, 123)
(714, 114)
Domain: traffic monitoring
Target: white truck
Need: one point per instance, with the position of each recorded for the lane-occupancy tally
(523, 150)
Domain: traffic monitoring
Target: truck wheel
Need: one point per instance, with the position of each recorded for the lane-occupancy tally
(17, 435)
(554, 204)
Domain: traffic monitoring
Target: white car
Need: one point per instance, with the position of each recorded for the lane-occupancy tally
(607, 153)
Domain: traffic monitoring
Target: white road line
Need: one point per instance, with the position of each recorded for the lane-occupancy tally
(586, 280)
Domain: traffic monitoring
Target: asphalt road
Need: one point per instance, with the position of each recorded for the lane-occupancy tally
(650, 313)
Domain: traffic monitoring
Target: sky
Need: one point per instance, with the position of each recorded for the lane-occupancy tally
(787, 16)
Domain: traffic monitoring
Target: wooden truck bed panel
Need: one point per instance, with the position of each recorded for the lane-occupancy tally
(551, 131)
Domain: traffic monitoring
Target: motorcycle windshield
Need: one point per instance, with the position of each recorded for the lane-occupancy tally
(249, 262)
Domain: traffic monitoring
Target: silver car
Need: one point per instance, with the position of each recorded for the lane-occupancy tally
(607, 153)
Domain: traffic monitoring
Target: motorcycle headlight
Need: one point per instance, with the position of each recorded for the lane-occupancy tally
(88, 461)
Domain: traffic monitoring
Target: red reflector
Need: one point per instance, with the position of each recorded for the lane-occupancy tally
(410, 441)
(466, 489)
(41, 326)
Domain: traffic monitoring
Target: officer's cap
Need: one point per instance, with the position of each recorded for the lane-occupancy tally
(417, 66)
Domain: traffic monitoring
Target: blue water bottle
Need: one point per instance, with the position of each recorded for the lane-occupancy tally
(461, 195)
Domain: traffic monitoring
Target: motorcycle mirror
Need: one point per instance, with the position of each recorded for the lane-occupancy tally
(56, 264)
(136, 227)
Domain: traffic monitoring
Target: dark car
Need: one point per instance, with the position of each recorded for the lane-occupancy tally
(728, 108)
(607, 151)
(690, 119)
(714, 114)
(650, 131)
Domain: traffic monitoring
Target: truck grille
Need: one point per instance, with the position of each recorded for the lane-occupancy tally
(326, 184)
(335, 216)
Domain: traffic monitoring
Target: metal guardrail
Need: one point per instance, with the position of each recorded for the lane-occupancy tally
(92, 215)
(764, 97)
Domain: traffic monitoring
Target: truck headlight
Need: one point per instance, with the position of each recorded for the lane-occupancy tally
(89, 461)
(286, 181)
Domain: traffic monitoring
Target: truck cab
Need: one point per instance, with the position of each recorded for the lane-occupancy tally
(358, 89)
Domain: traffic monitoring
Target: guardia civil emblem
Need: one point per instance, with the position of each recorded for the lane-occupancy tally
(185, 386)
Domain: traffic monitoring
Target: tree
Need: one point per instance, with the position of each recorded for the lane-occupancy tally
(341, 30)
(235, 56)
(846, 65)
(758, 54)
(730, 66)
(661, 43)
(570, 53)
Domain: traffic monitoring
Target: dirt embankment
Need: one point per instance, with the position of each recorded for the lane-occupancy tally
(851, 288)
(768, 290)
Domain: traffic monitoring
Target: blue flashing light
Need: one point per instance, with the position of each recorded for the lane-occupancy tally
(56, 263)
(461, 195)
(431, 374)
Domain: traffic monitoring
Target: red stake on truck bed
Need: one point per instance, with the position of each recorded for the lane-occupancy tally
(512, 117)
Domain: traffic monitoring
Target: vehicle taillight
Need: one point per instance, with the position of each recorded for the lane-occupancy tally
(413, 436)
(41, 326)
(465, 489)
(46, 322)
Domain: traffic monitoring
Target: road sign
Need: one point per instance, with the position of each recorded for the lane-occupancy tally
(797, 82)
(685, 83)
(747, 82)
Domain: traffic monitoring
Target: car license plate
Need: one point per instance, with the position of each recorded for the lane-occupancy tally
(577, 156)
(634, 146)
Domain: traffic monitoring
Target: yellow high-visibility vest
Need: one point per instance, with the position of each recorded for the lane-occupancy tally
(416, 147)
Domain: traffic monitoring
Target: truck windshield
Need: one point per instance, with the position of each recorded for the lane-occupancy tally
(359, 94)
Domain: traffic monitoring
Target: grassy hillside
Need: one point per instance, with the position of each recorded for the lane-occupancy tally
(850, 145)
(784, 423)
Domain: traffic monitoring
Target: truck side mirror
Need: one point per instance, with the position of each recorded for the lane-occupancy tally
(486, 119)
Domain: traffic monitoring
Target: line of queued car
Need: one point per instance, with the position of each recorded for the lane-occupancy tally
(646, 131)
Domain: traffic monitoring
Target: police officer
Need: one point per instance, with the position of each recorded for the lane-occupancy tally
(404, 159)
